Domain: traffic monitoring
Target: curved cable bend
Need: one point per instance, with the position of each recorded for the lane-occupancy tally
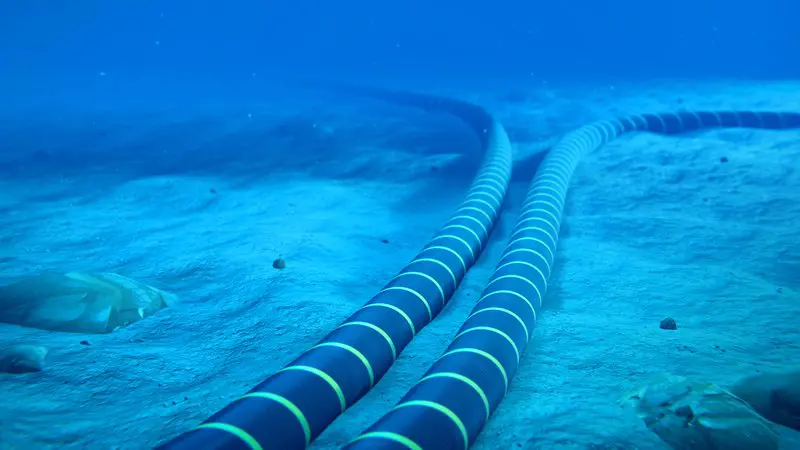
(449, 406)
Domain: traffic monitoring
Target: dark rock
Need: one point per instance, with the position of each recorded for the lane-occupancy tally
(668, 324)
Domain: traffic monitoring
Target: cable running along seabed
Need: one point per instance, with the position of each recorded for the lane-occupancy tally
(293, 406)
(448, 407)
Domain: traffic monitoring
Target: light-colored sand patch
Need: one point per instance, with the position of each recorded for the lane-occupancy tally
(239, 319)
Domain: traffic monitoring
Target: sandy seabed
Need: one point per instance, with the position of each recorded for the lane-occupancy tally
(655, 226)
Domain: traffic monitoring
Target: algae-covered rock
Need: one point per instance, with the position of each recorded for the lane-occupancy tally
(693, 415)
(22, 359)
(774, 395)
(79, 302)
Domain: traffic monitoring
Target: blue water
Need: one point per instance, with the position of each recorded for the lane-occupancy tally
(59, 49)
(185, 145)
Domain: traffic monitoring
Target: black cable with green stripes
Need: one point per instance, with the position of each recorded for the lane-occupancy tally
(293, 406)
(448, 407)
